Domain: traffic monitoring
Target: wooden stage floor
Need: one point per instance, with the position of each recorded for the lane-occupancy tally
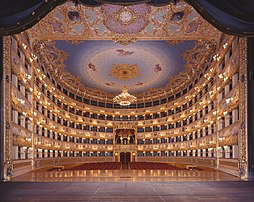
(124, 175)
(127, 185)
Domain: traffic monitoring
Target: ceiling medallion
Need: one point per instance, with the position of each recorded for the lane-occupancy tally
(124, 98)
(125, 71)
(125, 16)
(125, 20)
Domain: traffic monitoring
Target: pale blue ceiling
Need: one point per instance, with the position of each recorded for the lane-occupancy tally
(93, 60)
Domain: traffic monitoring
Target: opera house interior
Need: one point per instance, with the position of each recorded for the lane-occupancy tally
(157, 90)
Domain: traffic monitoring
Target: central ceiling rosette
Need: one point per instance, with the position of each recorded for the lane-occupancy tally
(125, 71)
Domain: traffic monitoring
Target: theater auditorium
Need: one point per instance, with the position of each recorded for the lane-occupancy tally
(127, 94)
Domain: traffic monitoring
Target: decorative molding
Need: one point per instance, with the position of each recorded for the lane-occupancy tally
(86, 23)
(243, 136)
(7, 106)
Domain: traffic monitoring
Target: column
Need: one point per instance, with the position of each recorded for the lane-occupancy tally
(45, 153)
(214, 152)
(204, 152)
(209, 130)
(15, 151)
(220, 97)
(30, 153)
(29, 97)
(209, 107)
(22, 89)
(15, 116)
(209, 152)
(199, 152)
(219, 152)
(23, 152)
(51, 153)
(29, 126)
(40, 153)
(227, 119)
(199, 134)
(235, 115)
(235, 151)
(14, 80)
(235, 79)
(22, 121)
(194, 153)
(226, 89)
(220, 124)
(227, 151)
(39, 130)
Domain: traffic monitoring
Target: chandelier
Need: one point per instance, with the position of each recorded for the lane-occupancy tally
(124, 98)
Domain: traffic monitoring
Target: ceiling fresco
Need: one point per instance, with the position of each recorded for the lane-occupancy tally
(109, 66)
(95, 51)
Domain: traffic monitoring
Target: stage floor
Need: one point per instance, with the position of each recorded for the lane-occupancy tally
(128, 191)
(124, 176)
(127, 185)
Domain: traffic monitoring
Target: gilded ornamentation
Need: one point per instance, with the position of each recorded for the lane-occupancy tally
(88, 23)
(124, 71)
(195, 60)
(125, 40)
(7, 106)
(126, 16)
(242, 136)
(69, 22)
(121, 20)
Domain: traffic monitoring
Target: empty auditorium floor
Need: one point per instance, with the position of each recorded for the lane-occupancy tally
(124, 175)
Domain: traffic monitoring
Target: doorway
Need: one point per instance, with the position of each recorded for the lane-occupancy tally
(125, 158)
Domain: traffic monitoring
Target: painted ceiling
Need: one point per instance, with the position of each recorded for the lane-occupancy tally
(99, 50)
(108, 66)
(154, 62)
(113, 22)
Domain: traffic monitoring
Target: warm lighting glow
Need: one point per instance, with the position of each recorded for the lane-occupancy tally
(21, 101)
(225, 45)
(125, 98)
(24, 45)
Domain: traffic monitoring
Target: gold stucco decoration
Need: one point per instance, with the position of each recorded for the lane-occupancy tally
(125, 71)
